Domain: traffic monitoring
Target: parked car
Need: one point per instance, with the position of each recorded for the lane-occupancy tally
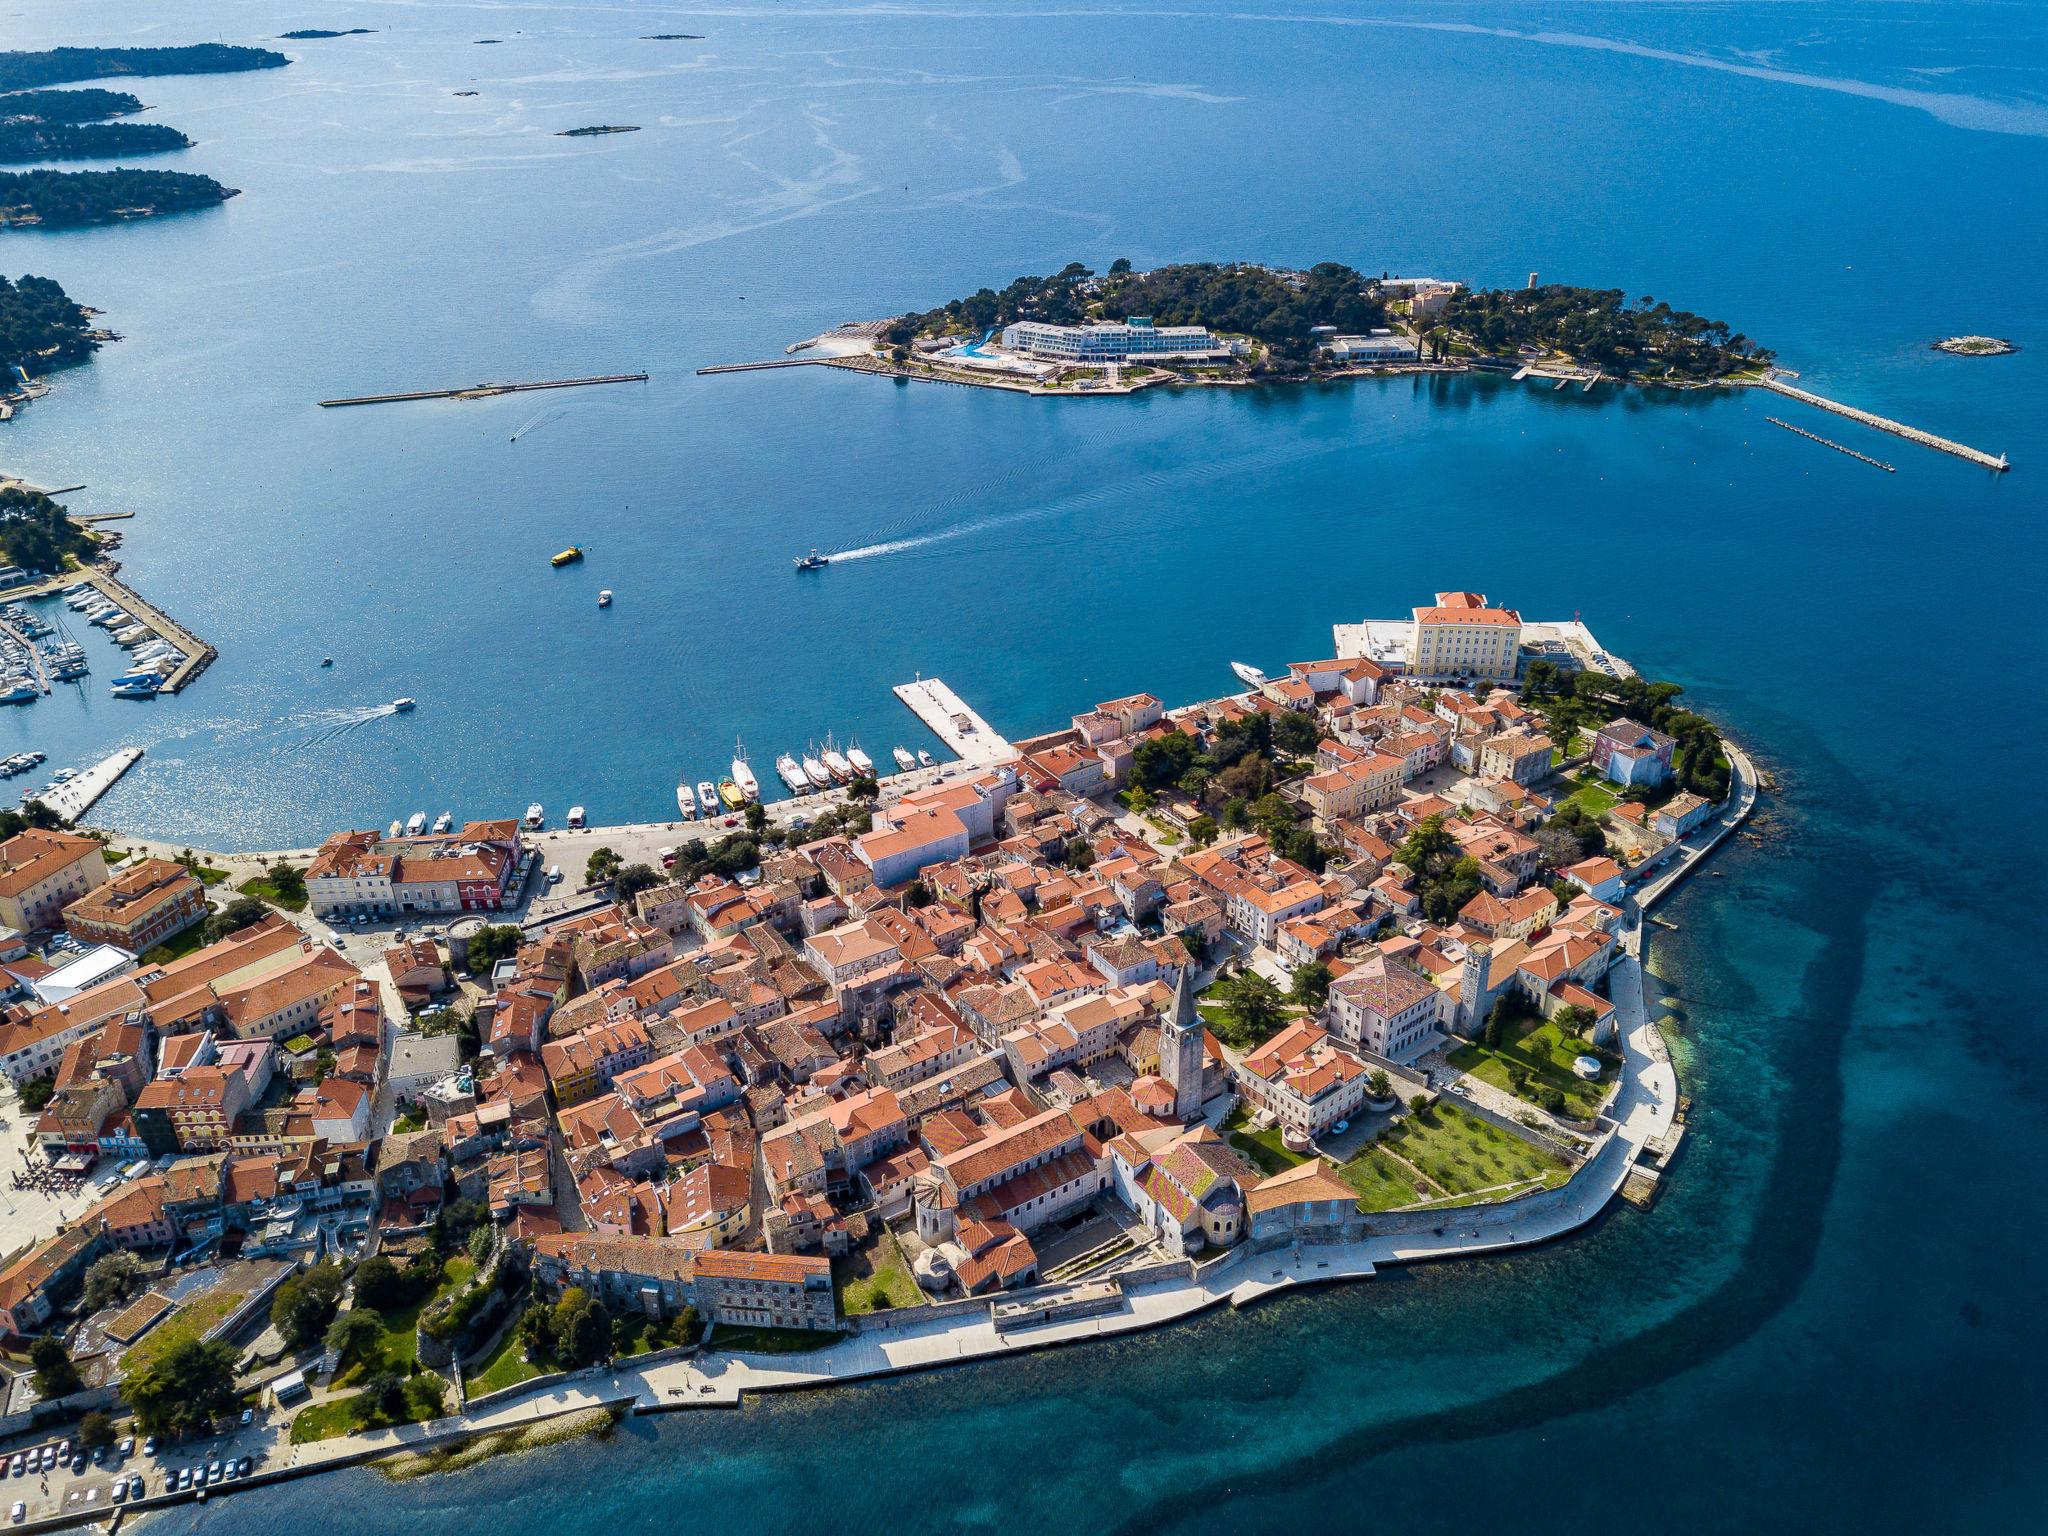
(17, 1512)
(248, 1465)
(149, 1446)
(128, 1446)
(248, 1416)
(119, 1495)
(135, 1486)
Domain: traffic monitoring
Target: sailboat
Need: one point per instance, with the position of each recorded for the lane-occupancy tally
(742, 775)
(814, 770)
(863, 765)
(686, 802)
(836, 763)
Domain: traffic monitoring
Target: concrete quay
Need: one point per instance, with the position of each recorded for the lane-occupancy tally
(1886, 424)
(74, 798)
(949, 718)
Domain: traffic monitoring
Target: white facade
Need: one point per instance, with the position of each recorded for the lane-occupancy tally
(1109, 342)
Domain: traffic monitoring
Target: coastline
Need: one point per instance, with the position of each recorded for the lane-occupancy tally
(1642, 1121)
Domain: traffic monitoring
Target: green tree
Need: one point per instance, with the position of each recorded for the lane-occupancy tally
(864, 788)
(1078, 854)
(379, 1284)
(490, 944)
(1296, 733)
(1574, 1020)
(35, 1093)
(56, 1376)
(1255, 1004)
(581, 1330)
(353, 1333)
(238, 914)
(755, 816)
(1380, 1086)
(96, 1432)
(305, 1304)
(1499, 1020)
(183, 1387)
(919, 895)
(602, 864)
(633, 879)
(113, 1279)
(481, 1243)
(1310, 984)
(1202, 831)
(288, 881)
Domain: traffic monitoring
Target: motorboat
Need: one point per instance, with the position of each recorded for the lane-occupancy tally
(742, 775)
(791, 772)
(136, 688)
(576, 818)
(925, 759)
(326, 661)
(535, 818)
(904, 761)
(686, 802)
(416, 823)
(403, 706)
(733, 796)
(813, 561)
(396, 829)
(707, 797)
(19, 690)
(863, 765)
(1249, 675)
(604, 598)
(568, 556)
(445, 822)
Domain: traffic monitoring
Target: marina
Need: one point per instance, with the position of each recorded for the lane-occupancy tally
(484, 391)
(948, 717)
(168, 655)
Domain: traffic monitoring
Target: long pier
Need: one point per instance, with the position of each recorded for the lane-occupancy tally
(948, 717)
(1828, 442)
(74, 799)
(485, 391)
(1886, 424)
(779, 362)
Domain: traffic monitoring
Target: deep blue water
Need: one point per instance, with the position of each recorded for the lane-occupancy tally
(1829, 1321)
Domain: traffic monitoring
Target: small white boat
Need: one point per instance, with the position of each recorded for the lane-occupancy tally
(445, 822)
(791, 772)
(535, 818)
(396, 829)
(402, 705)
(814, 770)
(904, 761)
(1249, 675)
(416, 823)
(742, 775)
(707, 797)
(604, 598)
(686, 802)
(925, 759)
(576, 817)
(863, 765)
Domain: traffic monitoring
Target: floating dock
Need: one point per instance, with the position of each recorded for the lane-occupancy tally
(946, 714)
(485, 391)
(74, 799)
(1886, 424)
(1828, 442)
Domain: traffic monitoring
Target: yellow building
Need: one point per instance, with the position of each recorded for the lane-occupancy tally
(1462, 637)
(41, 873)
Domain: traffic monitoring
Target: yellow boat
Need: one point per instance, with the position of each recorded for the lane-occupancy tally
(568, 556)
(731, 794)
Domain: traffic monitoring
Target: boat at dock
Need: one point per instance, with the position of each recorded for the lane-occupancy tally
(18, 690)
(707, 797)
(925, 759)
(1249, 675)
(836, 763)
(396, 829)
(904, 761)
(791, 772)
(444, 822)
(731, 794)
(814, 770)
(576, 818)
(863, 765)
(742, 775)
(568, 556)
(416, 823)
(686, 802)
(535, 817)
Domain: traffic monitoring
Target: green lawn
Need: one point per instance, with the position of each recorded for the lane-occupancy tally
(113, 856)
(398, 1346)
(1265, 1148)
(190, 1321)
(505, 1366)
(874, 1264)
(1542, 1052)
(773, 1341)
(178, 945)
(424, 1400)
(207, 874)
(1593, 795)
(263, 890)
(1461, 1154)
(1382, 1183)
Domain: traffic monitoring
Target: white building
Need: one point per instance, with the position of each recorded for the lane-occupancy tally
(1110, 342)
(1379, 347)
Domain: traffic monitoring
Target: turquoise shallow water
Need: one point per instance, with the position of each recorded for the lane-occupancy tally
(1828, 1323)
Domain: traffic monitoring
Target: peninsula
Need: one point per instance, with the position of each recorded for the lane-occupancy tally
(1157, 1011)
(20, 70)
(57, 199)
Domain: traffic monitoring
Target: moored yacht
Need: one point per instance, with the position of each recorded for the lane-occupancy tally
(815, 770)
(863, 765)
(686, 802)
(791, 772)
(733, 796)
(396, 829)
(1249, 675)
(742, 775)
(576, 818)
(925, 759)
(535, 817)
(444, 822)
(836, 763)
(416, 823)
(707, 797)
(904, 761)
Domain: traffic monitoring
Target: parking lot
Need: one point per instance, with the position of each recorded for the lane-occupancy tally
(50, 1483)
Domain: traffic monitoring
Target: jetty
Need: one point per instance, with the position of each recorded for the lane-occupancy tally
(485, 391)
(74, 799)
(198, 654)
(778, 362)
(1828, 442)
(1886, 424)
(948, 717)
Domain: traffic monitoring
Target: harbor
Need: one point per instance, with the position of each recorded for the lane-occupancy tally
(485, 391)
(78, 794)
(1977, 456)
(169, 653)
(947, 716)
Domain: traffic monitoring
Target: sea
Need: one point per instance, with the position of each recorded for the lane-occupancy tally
(1831, 1319)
